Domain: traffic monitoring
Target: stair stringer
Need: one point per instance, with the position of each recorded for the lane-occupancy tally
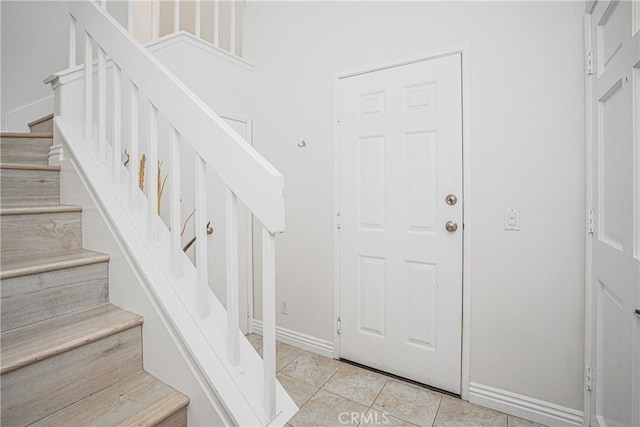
(174, 350)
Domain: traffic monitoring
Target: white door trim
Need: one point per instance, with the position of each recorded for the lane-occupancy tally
(589, 348)
(462, 49)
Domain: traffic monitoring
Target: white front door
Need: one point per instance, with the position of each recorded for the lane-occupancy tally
(400, 143)
(616, 202)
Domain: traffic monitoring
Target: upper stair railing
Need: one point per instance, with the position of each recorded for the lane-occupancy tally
(215, 21)
(214, 144)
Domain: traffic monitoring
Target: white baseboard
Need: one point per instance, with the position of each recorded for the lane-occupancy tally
(525, 407)
(16, 120)
(298, 339)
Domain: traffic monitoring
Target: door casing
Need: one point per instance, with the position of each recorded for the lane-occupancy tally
(463, 50)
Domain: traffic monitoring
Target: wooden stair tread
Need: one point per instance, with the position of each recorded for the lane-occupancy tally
(32, 210)
(39, 341)
(25, 266)
(40, 120)
(140, 400)
(26, 135)
(27, 166)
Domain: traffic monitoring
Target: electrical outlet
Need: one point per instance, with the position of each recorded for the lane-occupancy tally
(284, 306)
(512, 220)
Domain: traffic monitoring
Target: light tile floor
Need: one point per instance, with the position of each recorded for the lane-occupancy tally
(332, 393)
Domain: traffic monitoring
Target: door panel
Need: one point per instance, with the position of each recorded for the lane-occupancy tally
(400, 270)
(615, 267)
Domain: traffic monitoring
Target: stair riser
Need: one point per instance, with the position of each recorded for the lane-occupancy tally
(52, 384)
(179, 419)
(45, 126)
(25, 150)
(37, 297)
(29, 235)
(23, 187)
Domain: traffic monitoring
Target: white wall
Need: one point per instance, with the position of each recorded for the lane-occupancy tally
(34, 44)
(527, 108)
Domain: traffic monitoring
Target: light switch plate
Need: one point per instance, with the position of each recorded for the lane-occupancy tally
(512, 220)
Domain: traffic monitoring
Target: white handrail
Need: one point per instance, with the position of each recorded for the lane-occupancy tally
(252, 178)
(248, 177)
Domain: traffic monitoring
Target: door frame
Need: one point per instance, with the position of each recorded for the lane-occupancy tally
(589, 318)
(463, 50)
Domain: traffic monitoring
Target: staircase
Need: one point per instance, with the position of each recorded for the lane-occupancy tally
(69, 358)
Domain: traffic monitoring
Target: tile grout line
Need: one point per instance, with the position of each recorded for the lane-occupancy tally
(371, 408)
(379, 393)
(291, 361)
(437, 410)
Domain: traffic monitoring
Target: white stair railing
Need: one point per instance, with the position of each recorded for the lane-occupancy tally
(247, 175)
(214, 19)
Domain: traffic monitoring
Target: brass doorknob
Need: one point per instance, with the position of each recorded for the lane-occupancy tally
(451, 226)
(451, 200)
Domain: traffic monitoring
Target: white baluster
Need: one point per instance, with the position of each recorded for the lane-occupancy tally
(134, 162)
(117, 123)
(174, 202)
(73, 25)
(152, 174)
(102, 104)
(155, 19)
(216, 22)
(232, 27)
(233, 300)
(198, 23)
(176, 16)
(269, 321)
(200, 221)
(88, 85)
(130, 16)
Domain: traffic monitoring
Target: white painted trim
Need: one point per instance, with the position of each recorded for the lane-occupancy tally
(298, 339)
(398, 62)
(589, 309)
(336, 209)
(465, 377)
(77, 72)
(463, 50)
(16, 120)
(525, 407)
(170, 39)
